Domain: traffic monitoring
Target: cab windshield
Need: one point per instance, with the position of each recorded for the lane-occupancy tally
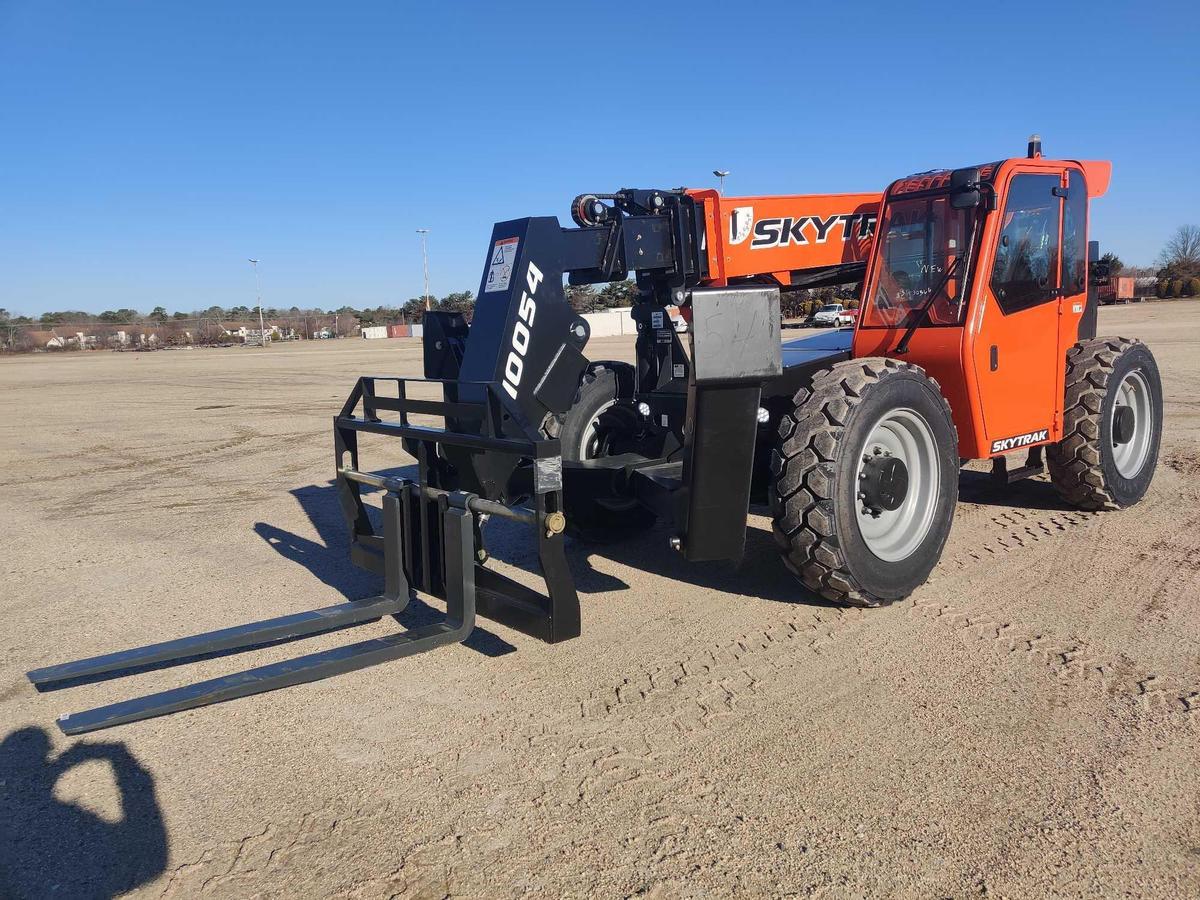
(920, 240)
(828, 308)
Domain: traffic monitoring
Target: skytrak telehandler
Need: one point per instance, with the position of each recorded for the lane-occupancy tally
(976, 337)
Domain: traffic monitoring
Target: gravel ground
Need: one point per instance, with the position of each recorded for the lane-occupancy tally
(1027, 724)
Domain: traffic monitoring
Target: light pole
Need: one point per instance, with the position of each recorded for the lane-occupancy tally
(262, 329)
(425, 257)
(721, 173)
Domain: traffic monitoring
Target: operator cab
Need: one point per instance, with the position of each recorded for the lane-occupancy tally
(979, 275)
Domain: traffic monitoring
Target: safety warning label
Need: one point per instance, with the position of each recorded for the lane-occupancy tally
(504, 255)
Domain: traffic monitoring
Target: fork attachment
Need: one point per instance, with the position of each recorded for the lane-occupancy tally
(493, 455)
(458, 548)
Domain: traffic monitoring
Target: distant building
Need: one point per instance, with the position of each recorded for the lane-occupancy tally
(247, 331)
(136, 336)
(45, 340)
(235, 329)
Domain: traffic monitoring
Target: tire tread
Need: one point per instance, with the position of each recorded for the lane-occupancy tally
(1074, 462)
(802, 489)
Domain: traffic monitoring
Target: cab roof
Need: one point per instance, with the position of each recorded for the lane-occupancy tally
(1096, 173)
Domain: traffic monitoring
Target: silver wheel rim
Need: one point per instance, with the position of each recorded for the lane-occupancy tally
(893, 535)
(586, 440)
(587, 450)
(1133, 392)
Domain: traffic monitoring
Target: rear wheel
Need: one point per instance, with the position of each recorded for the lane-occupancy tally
(1112, 424)
(865, 481)
(593, 428)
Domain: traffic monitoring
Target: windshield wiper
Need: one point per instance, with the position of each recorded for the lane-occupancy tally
(902, 347)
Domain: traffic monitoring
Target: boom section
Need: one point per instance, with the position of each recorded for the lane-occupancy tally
(801, 240)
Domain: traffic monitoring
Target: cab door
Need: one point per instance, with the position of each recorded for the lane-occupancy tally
(1016, 343)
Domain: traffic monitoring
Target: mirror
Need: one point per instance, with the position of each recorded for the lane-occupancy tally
(964, 188)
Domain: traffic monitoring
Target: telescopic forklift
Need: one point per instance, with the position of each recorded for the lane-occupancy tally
(976, 339)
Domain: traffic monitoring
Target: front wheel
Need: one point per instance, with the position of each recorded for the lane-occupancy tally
(865, 481)
(1112, 425)
(598, 425)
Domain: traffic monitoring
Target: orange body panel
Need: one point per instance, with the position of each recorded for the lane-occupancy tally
(1098, 173)
(774, 236)
(1002, 373)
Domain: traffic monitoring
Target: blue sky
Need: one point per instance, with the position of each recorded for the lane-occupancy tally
(148, 148)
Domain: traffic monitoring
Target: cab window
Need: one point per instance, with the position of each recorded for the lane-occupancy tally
(1025, 272)
(1074, 250)
(924, 244)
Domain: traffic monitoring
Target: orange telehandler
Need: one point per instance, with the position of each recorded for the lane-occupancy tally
(976, 338)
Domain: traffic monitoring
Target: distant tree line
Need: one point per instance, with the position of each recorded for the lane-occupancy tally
(1179, 264)
(159, 315)
(583, 298)
(208, 325)
(1177, 275)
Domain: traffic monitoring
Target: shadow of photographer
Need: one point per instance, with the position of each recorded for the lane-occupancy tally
(52, 848)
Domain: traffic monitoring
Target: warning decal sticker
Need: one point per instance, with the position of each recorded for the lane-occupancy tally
(504, 254)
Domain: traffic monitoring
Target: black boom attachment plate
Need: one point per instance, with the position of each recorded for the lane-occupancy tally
(735, 348)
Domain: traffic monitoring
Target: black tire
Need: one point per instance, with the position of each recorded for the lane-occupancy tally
(599, 519)
(1084, 465)
(814, 491)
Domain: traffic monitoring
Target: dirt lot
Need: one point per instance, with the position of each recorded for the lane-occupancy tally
(1027, 724)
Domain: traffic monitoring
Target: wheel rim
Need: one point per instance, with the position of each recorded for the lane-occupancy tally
(591, 448)
(894, 534)
(589, 440)
(1133, 393)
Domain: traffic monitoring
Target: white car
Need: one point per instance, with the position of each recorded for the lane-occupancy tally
(827, 315)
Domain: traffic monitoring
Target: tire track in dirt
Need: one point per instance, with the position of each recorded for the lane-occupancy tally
(444, 854)
(737, 665)
(1186, 464)
(135, 461)
(1014, 530)
(172, 473)
(1072, 662)
(614, 758)
(613, 749)
(1171, 555)
(709, 683)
